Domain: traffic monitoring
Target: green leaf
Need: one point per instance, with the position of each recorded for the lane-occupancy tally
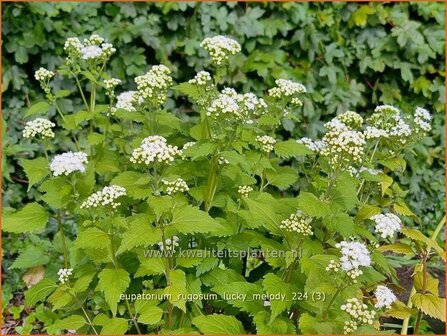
(177, 290)
(432, 283)
(289, 148)
(95, 138)
(340, 222)
(92, 238)
(366, 211)
(218, 324)
(31, 257)
(31, 218)
(35, 170)
(419, 236)
(38, 108)
(344, 192)
(273, 285)
(39, 292)
(399, 310)
(189, 90)
(312, 205)
(150, 315)
(431, 305)
(251, 293)
(113, 326)
(265, 214)
(192, 220)
(282, 177)
(400, 248)
(113, 282)
(73, 322)
(136, 184)
(140, 232)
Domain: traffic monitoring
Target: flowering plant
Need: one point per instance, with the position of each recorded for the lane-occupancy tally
(143, 186)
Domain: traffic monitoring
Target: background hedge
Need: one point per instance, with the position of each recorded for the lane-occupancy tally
(349, 56)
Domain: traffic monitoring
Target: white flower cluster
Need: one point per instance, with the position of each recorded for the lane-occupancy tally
(335, 125)
(351, 119)
(154, 148)
(347, 146)
(244, 190)
(111, 83)
(39, 126)
(354, 255)
(422, 120)
(387, 224)
(220, 48)
(314, 145)
(93, 48)
(203, 78)
(105, 197)
(172, 187)
(372, 132)
(355, 172)
(333, 266)
(386, 109)
(64, 274)
(298, 222)
(153, 86)
(67, 163)
(43, 74)
(239, 106)
(222, 161)
(296, 101)
(170, 244)
(266, 142)
(400, 129)
(286, 88)
(385, 297)
(359, 313)
(125, 101)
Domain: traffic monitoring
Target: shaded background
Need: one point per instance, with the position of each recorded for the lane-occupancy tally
(348, 55)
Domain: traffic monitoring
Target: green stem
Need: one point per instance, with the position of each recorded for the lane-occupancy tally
(370, 160)
(339, 289)
(85, 314)
(61, 232)
(168, 314)
(133, 317)
(78, 83)
(212, 184)
(404, 330)
(58, 109)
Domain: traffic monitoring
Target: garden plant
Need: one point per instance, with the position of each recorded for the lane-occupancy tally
(214, 223)
(172, 193)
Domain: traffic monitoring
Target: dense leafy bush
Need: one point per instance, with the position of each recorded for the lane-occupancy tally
(215, 222)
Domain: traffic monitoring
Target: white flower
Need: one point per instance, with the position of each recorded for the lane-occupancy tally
(153, 85)
(222, 161)
(358, 311)
(266, 142)
(351, 119)
(178, 185)
(335, 125)
(372, 132)
(203, 78)
(105, 197)
(315, 146)
(73, 47)
(38, 126)
(296, 101)
(111, 83)
(354, 255)
(333, 266)
(298, 222)
(385, 297)
(349, 327)
(185, 147)
(91, 51)
(244, 190)
(385, 109)
(400, 130)
(125, 101)
(220, 48)
(422, 120)
(94, 39)
(154, 149)
(43, 74)
(286, 88)
(64, 274)
(387, 224)
(170, 244)
(67, 163)
(346, 146)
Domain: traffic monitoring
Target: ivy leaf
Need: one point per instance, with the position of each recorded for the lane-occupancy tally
(218, 324)
(39, 292)
(38, 108)
(290, 148)
(35, 170)
(192, 220)
(431, 305)
(31, 218)
(73, 322)
(113, 282)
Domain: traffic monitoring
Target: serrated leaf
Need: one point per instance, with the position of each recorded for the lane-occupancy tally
(312, 205)
(93, 238)
(419, 236)
(400, 248)
(282, 178)
(431, 305)
(189, 90)
(432, 283)
(150, 315)
(366, 211)
(274, 285)
(218, 324)
(140, 232)
(73, 322)
(192, 220)
(113, 282)
(290, 148)
(39, 292)
(38, 108)
(252, 302)
(399, 310)
(31, 257)
(35, 170)
(341, 223)
(136, 184)
(265, 214)
(31, 218)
